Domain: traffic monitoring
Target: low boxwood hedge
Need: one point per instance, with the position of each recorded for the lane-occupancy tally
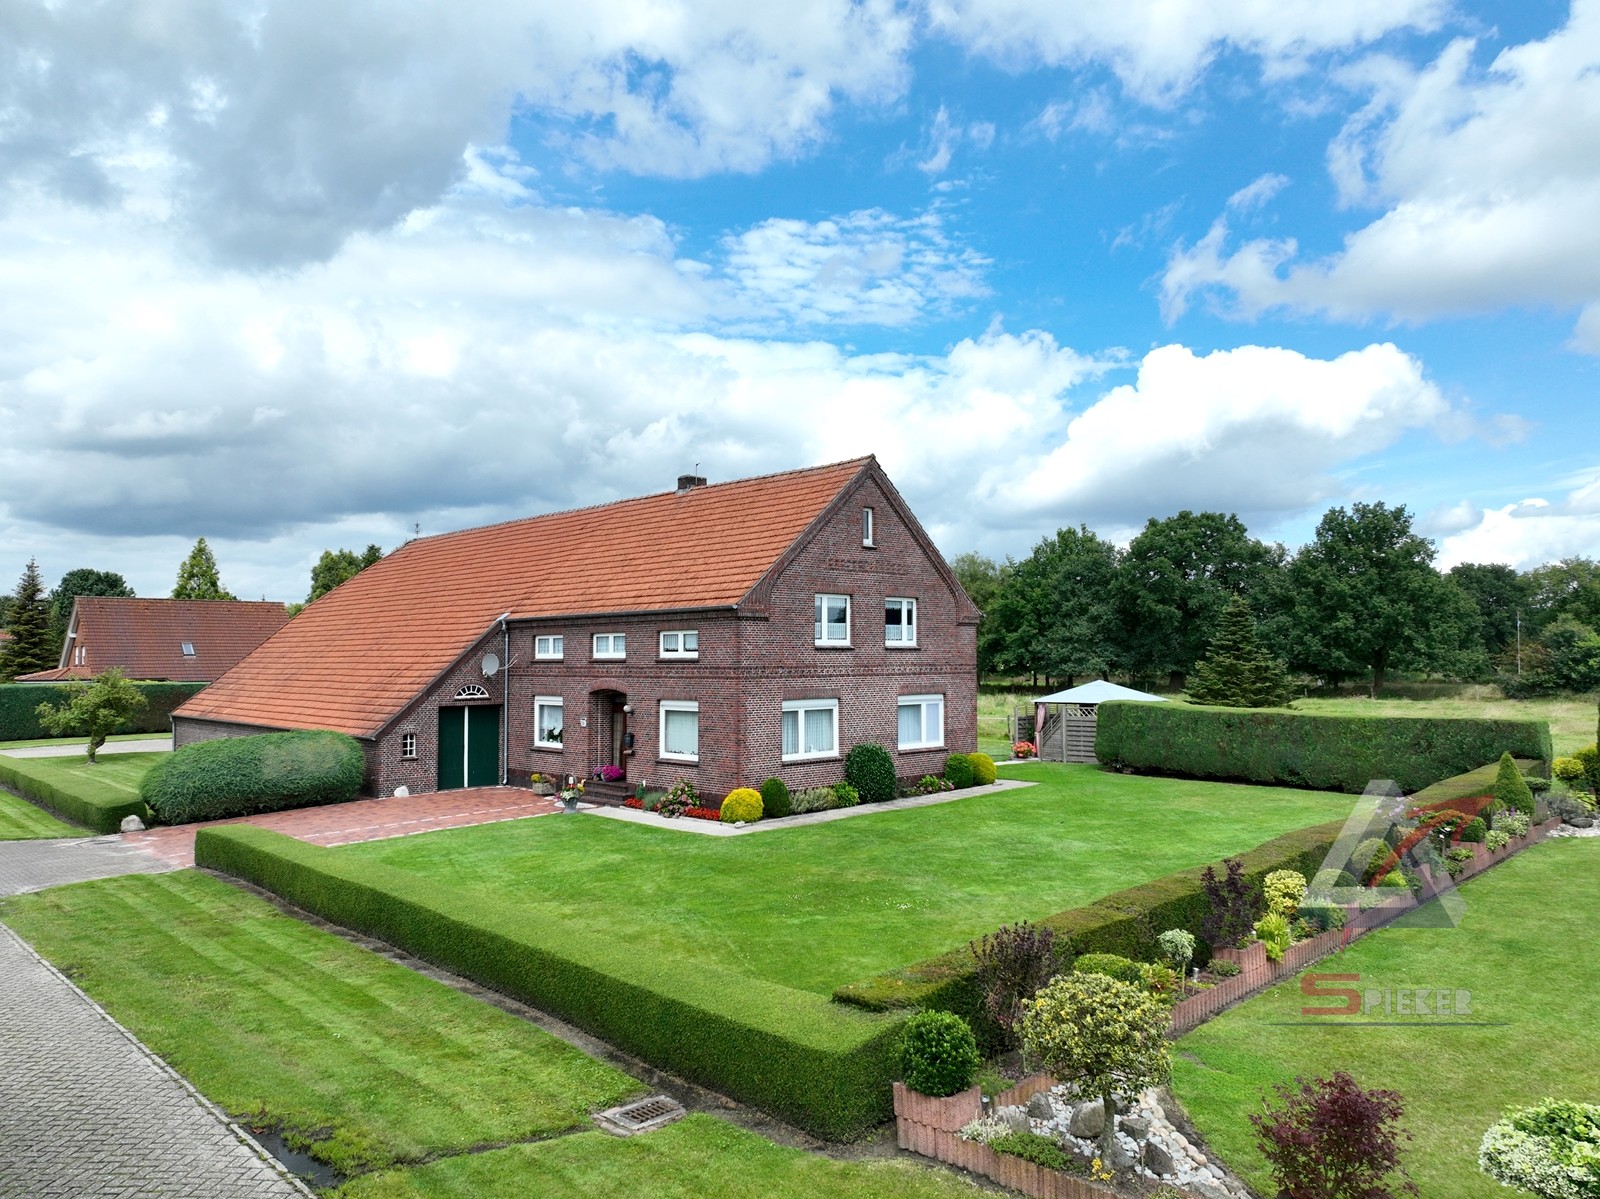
(822, 1066)
(1125, 923)
(20, 722)
(1305, 749)
(241, 776)
(102, 813)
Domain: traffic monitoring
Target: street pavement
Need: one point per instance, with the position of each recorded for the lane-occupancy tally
(145, 746)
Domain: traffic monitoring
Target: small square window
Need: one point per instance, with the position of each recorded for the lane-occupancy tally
(866, 527)
(831, 620)
(810, 729)
(921, 721)
(188, 649)
(408, 745)
(548, 721)
(680, 730)
(611, 645)
(899, 623)
(549, 647)
(680, 643)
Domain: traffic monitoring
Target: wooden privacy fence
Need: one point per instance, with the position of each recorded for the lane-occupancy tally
(1067, 734)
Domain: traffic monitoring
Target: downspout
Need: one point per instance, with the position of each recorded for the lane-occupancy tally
(505, 703)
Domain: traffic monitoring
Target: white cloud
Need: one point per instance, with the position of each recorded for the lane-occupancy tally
(1490, 180)
(1530, 532)
(1258, 193)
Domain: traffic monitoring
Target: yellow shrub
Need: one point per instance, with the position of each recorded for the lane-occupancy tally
(743, 803)
(983, 772)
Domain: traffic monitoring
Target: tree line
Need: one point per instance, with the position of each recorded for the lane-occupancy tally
(1361, 600)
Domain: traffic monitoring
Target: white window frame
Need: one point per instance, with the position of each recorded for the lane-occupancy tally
(80, 655)
(679, 644)
(188, 648)
(549, 647)
(800, 707)
(922, 702)
(612, 653)
(819, 628)
(678, 705)
(408, 745)
(867, 530)
(908, 608)
(548, 701)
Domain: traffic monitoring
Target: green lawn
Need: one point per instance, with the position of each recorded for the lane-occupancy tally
(287, 1026)
(818, 906)
(21, 821)
(1523, 950)
(98, 795)
(1572, 721)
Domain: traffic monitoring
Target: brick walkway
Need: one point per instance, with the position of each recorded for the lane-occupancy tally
(90, 1113)
(364, 819)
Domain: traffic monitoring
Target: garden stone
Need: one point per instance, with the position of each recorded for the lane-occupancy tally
(1207, 1189)
(1581, 821)
(1122, 1158)
(1088, 1120)
(1014, 1118)
(132, 824)
(1157, 1160)
(1041, 1108)
(1135, 1126)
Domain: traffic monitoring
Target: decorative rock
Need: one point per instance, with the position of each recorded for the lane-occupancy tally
(1040, 1107)
(1014, 1118)
(1088, 1120)
(1207, 1189)
(1581, 821)
(1135, 1126)
(1157, 1160)
(132, 824)
(402, 792)
(1121, 1157)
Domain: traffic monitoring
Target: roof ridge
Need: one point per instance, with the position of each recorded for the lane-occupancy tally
(635, 499)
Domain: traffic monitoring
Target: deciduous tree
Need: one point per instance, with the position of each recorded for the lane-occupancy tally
(96, 709)
(74, 583)
(338, 566)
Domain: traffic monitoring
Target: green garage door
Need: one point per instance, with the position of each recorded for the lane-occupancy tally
(469, 747)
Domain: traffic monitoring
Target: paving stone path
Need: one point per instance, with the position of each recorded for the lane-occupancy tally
(35, 865)
(87, 1112)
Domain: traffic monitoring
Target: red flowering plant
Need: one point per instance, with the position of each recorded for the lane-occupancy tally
(703, 813)
(1024, 749)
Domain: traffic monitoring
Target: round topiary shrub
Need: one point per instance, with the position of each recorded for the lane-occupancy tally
(1327, 880)
(938, 1053)
(1369, 856)
(983, 771)
(1475, 830)
(775, 798)
(1111, 965)
(241, 776)
(870, 770)
(742, 805)
(958, 770)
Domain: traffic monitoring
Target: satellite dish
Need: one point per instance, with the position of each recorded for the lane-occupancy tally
(491, 665)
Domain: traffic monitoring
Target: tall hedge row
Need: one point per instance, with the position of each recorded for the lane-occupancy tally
(1303, 749)
(819, 1065)
(18, 701)
(241, 776)
(1125, 923)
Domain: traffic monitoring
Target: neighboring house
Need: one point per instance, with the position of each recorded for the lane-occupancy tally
(720, 633)
(180, 641)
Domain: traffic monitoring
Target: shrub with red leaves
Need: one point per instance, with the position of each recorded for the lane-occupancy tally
(1330, 1139)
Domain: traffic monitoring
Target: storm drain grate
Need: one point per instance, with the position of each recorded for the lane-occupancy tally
(642, 1115)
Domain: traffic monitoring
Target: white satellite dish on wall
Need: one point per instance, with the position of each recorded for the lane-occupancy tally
(491, 665)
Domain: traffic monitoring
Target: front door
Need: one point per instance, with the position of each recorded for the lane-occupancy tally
(469, 747)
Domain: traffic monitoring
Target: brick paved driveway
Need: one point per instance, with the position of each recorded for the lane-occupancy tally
(87, 1112)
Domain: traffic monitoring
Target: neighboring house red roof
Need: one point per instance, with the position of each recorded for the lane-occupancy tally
(355, 658)
(146, 638)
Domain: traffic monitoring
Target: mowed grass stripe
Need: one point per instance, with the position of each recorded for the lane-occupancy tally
(288, 1026)
(21, 821)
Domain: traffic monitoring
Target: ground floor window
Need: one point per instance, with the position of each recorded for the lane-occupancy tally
(548, 721)
(810, 729)
(680, 730)
(921, 721)
(408, 745)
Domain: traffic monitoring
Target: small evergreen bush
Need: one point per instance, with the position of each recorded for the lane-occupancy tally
(1510, 788)
(983, 771)
(1273, 930)
(1284, 890)
(939, 1054)
(1225, 969)
(1475, 830)
(958, 769)
(742, 806)
(775, 798)
(1369, 856)
(870, 770)
(1552, 1150)
(813, 799)
(1111, 965)
(844, 796)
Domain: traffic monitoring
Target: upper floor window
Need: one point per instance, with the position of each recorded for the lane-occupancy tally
(611, 645)
(408, 745)
(549, 647)
(832, 620)
(80, 655)
(866, 527)
(921, 721)
(682, 643)
(810, 729)
(899, 622)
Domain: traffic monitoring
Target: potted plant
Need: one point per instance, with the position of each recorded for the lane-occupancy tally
(1023, 750)
(571, 794)
(541, 784)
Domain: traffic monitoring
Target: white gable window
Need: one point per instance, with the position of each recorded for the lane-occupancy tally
(899, 623)
(472, 691)
(682, 643)
(866, 528)
(548, 721)
(408, 745)
(611, 645)
(921, 721)
(549, 647)
(810, 729)
(80, 655)
(832, 620)
(680, 730)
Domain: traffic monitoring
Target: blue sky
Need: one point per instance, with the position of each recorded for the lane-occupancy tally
(306, 275)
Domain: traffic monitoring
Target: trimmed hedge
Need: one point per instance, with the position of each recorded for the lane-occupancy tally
(241, 776)
(19, 721)
(819, 1065)
(1125, 923)
(1470, 784)
(1304, 749)
(102, 813)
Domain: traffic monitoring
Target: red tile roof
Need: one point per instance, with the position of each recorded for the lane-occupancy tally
(355, 658)
(145, 637)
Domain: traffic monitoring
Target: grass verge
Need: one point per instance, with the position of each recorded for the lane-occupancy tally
(97, 797)
(1571, 719)
(1520, 950)
(43, 742)
(21, 821)
(290, 1027)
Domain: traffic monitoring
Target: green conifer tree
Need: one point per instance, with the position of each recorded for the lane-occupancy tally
(1236, 672)
(197, 577)
(28, 622)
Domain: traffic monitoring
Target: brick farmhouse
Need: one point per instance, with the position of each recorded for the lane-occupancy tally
(721, 633)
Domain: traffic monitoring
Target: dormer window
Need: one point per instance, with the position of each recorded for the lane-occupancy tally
(866, 527)
(188, 649)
